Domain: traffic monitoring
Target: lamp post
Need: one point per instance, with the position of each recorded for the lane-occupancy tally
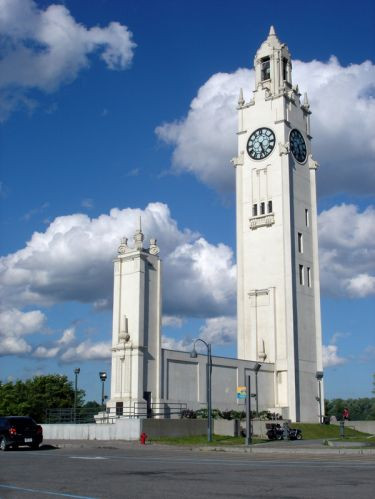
(77, 370)
(103, 377)
(194, 355)
(256, 370)
(319, 377)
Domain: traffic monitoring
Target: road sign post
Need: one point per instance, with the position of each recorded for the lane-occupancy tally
(248, 412)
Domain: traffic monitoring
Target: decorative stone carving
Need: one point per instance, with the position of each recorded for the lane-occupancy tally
(123, 248)
(262, 221)
(237, 160)
(154, 249)
(313, 165)
(284, 148)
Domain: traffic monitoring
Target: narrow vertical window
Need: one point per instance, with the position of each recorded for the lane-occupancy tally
(269, 206)
(285, 66)
(255, 210)
(262, 208)
(301, 276)
(309, 277)
(300, 243)
(307, 221)
(265, 69)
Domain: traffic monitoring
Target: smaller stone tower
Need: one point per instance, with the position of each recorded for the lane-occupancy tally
(136, 333)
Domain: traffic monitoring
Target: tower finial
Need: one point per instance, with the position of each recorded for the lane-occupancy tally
(272, 31)
(138, 236)
(241, 100)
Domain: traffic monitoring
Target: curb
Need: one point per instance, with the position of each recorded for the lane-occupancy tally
(254, 449)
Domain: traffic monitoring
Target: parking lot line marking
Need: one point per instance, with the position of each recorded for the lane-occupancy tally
(88, 457)
(46, 492)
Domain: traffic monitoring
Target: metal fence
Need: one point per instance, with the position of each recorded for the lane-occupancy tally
(109, 415)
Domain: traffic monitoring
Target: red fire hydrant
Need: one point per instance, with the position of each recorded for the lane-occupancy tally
(143, 438)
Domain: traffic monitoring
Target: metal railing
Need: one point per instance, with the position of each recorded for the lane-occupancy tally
(109, 415)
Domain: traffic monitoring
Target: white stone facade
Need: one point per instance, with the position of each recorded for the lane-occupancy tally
(278, 296)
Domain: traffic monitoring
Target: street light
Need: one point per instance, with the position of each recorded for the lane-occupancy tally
(194, 355)
(103, 377)
(77, 370)
(256, 370)
(319, 377)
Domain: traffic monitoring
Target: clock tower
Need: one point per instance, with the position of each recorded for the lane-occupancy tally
(278, 295)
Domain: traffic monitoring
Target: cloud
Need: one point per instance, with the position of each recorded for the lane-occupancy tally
(181, 345)
(343, 121)
(172, 321)
(200, 280)
(87, 203)
(87, 351)
(14, 323)
(43, 49)
(35, 211)
(216, 331)
(347, 251)
(331, 357)
(42, 352)
(13, 346)
(219, 330)
(72, 261)
(67, 337)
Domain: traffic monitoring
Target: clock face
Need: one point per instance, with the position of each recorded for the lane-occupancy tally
(261, 143)
(297, 145)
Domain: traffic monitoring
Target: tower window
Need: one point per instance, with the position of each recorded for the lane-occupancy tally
(262, 208)
(300, 243)
(285, 70)
(255, 210)
(265, 71)
(301, 276)
(307, 221)
(309, 277)
(269, 206)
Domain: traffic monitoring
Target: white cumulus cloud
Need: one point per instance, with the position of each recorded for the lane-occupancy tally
(67, 337)
(331, 357)
(347, 251)
(42, 49)
(14, 322)
(72, 261)
(343, 106)
(87, 351)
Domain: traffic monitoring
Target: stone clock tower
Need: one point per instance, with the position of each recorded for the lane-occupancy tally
(136, 333)
(278, 296)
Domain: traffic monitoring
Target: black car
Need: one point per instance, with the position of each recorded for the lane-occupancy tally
(19, 430)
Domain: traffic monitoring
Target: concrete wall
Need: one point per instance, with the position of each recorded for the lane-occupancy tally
(184, 380)
(174, 427)
(122, 429)
(125, 429)
(365, 426)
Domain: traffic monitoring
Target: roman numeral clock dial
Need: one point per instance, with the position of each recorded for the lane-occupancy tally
(261, 143)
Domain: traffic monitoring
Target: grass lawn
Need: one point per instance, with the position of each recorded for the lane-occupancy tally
(316, 431)
(202, 440)
(309, 431)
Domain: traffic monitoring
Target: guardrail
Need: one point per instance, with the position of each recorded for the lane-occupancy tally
(108, 415)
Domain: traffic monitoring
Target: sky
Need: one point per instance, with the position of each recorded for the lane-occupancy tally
(110, 110)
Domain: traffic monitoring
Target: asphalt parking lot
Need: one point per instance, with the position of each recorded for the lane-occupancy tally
(108, 471)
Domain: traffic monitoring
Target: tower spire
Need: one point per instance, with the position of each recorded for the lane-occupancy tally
(272, 31)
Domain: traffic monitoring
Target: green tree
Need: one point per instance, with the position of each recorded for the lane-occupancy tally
(33, 396)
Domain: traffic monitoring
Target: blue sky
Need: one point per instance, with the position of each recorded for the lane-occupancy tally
(113, 109)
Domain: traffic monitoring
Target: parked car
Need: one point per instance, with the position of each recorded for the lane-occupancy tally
(19, 430)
